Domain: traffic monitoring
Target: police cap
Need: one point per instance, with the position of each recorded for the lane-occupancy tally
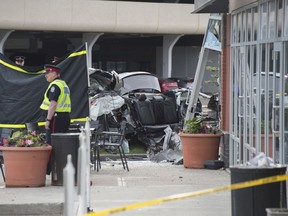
(49, 67)
(19, 58)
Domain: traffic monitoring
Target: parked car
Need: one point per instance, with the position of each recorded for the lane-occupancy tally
(183, 82)
(168, 85)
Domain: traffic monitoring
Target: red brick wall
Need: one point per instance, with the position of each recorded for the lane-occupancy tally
(225, 72)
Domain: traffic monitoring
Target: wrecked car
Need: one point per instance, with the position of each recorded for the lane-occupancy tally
(138, 101)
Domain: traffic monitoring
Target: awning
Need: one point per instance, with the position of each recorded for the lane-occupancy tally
(211, 6)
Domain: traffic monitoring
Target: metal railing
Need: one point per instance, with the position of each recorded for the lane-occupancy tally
(83, 178)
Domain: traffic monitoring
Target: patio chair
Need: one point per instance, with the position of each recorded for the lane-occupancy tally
(74, 128)
(109, 139)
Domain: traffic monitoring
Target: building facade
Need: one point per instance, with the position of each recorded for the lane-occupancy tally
(254, 63)
(259, 51)
(122, 35)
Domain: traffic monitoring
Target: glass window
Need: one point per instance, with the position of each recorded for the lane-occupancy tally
(263, 58)
(234, 29)
(270, 58)
(244, 26)
(239, 27)
(119, 66)
(286, 75)
(263, 24)
(248, 78)
(262, 79)
(259, 82)
(254, 82)
(255, 23)
(271, 20)
(249, 25)
(286, 103)
(235, 89)
(279, 18)
(254, 62)
(286, 18)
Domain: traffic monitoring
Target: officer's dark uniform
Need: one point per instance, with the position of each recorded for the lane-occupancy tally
(60, 121)
(57, 91)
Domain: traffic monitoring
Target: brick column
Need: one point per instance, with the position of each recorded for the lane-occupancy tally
(225, 72)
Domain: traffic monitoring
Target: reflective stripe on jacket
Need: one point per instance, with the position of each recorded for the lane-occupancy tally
(63, 102)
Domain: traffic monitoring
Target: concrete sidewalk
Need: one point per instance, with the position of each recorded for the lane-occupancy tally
(114, 187)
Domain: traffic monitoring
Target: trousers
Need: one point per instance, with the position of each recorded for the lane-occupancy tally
(59, 124)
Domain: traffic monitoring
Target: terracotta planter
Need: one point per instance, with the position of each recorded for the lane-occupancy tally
(25, 167)
(197, 148)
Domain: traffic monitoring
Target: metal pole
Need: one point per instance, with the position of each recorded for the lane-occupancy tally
(197, 83)
(88, 134)
(82, 209)
(69, 182)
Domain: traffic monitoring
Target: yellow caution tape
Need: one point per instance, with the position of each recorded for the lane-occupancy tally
(39, 123)
(19, 69)
(235, 186)
(78, 53)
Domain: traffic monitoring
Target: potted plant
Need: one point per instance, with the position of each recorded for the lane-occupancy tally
(25, 159)
(200, 142)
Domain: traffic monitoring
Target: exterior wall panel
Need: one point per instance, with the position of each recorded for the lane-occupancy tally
(235, 4)
(258, 81)
(101, 16)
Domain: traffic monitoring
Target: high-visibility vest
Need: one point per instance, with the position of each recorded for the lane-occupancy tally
(63, 102)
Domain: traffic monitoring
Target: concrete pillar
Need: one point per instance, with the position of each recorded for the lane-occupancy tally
(4, 34)
(90, 39)
(168, 43)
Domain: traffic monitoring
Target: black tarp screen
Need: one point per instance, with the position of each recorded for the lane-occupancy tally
(22, 89)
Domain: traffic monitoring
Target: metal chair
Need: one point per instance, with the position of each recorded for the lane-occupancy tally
(74, 128)
(109, 139)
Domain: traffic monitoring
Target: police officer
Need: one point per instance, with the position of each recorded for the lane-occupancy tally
(56, 103)
(20, 60)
